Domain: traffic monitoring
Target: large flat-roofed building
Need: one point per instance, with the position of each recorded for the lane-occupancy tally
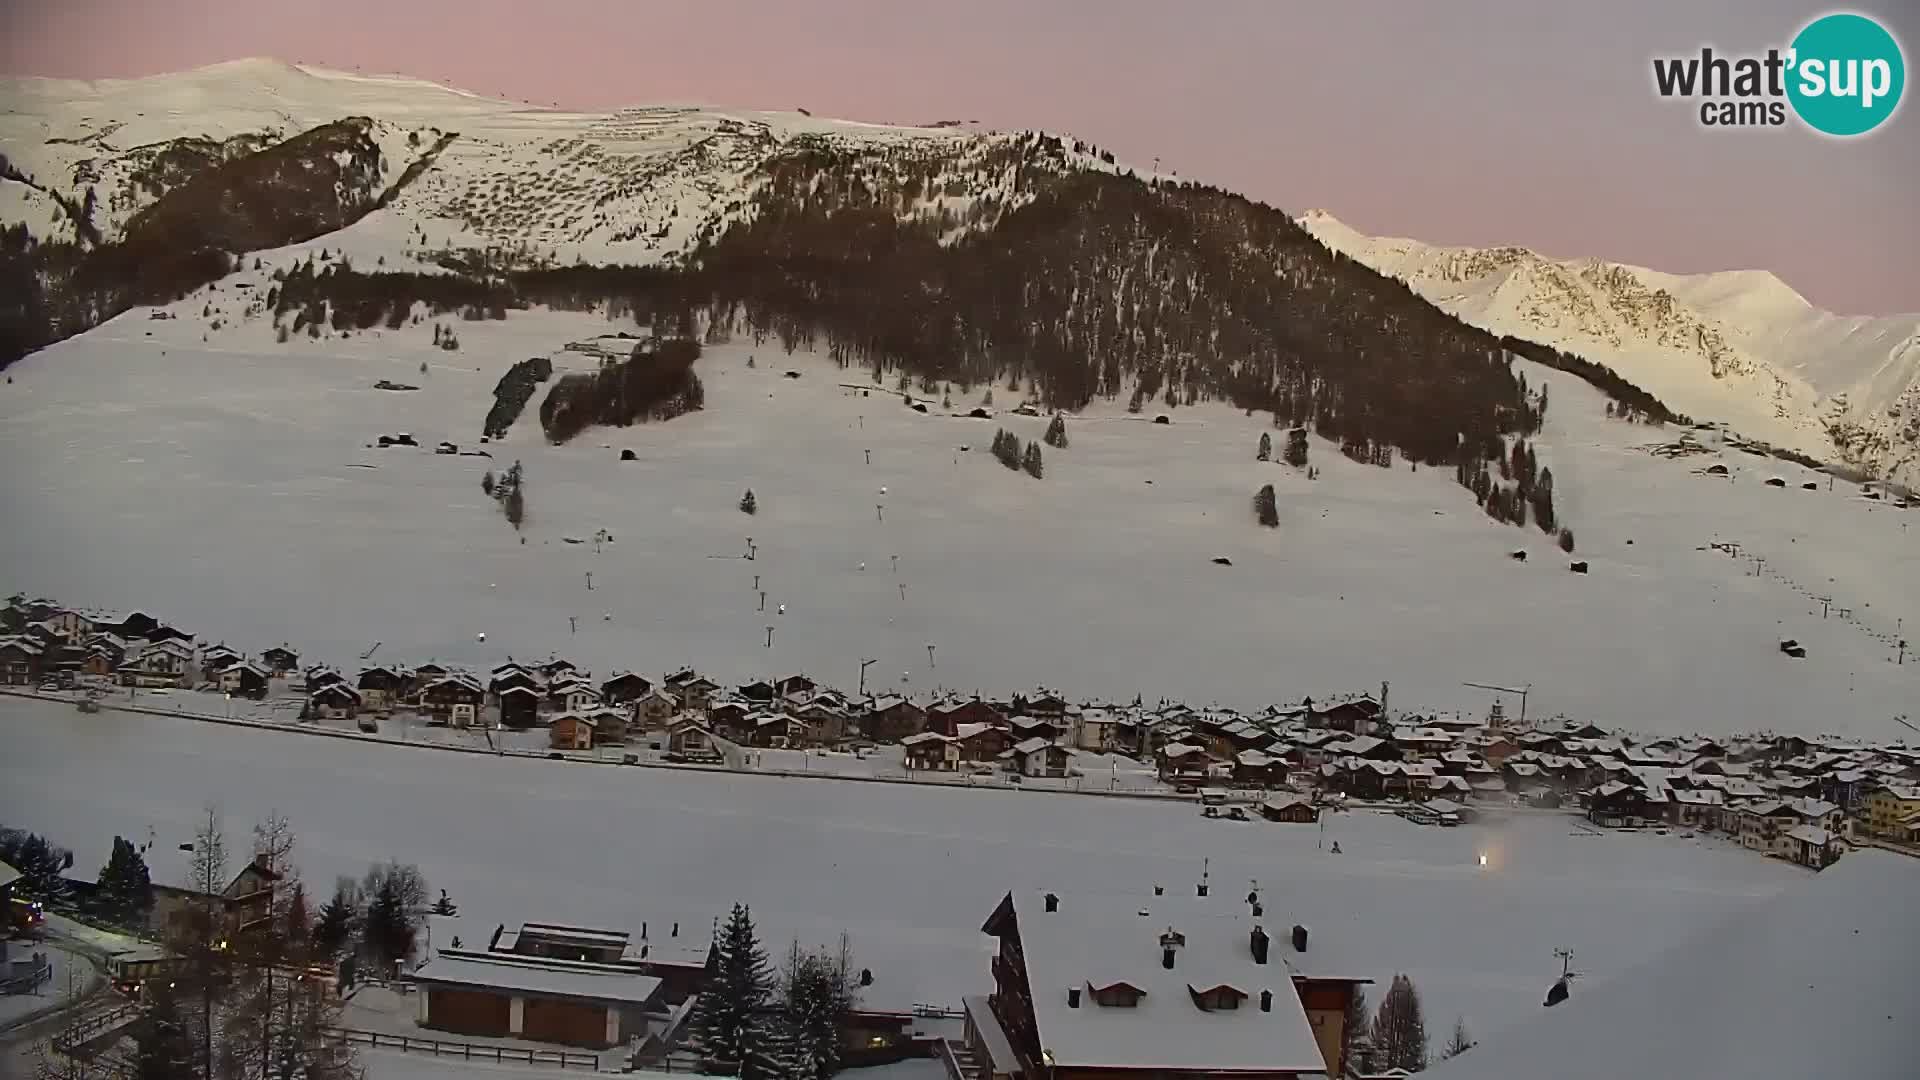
(1176, 987)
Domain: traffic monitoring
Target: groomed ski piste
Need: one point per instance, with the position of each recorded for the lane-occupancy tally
(908, 873)
(232, 487)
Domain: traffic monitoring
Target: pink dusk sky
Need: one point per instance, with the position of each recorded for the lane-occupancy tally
(1527, 122)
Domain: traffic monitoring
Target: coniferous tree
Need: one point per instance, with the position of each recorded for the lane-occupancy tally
(1056, 435)
(747, 503)
(1031, 461)
(41, 864)
(125, 889)
(1400, 1028)
(1265, 508)
(773, 1051)
(1006, 448)
(740, 985)
(1460, 1042)
(163, 1048)
(1265, 452)
(486, 482)
(1356, 1033)
(334, 927)
(396, 899)
(515, 506)
(818, 991)
(1297, 447)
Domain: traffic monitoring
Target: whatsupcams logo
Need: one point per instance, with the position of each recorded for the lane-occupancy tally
(1842, 75)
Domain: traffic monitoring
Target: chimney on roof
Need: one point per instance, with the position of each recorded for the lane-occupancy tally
(1266, 1001)
(1258, 910)
(1159, 890)
(1073, 997)
(676, 930)
(1170, 943)
(1053, 902)
(1299, 938)
(1260, 941)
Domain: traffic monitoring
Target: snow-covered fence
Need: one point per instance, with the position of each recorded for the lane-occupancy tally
(377, 1040)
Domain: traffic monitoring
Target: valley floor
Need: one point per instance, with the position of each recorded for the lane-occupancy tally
(910, 873)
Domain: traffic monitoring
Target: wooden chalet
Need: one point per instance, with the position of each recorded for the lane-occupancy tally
(450, 698)
(691, 740)
(572, 731)
(1290, 807)
(519, 706)
(981, 742)
(21, 661)
(947, 715)
(246, 679)
(930, 750)
(891, 719)
(383, 686)
(333, 701)
(280, 660)
(625, 688)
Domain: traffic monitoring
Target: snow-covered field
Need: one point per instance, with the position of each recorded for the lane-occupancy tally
(230, 486)
(909, 873)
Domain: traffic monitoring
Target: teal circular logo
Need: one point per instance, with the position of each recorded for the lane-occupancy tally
(1847, 74)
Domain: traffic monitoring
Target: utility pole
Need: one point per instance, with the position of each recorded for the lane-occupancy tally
(763, 601)
(869, 457)
(903, 590)
(864, 665)
(877, 514)
(589, 581)
(930, 662)
(769, 637)
(573, 625)
(896, 563)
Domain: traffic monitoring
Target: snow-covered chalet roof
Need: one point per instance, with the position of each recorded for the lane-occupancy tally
(1096, 942)
(535, 975)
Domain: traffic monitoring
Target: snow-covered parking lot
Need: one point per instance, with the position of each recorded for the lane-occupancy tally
(908, 872)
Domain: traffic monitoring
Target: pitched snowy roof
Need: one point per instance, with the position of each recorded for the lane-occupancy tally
(1829, 955)
(8, 875)
(1089, 943)
(538, 976)
(1812, 834)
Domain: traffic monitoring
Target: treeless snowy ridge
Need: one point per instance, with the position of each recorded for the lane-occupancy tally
(1739, 346)
(909, 873)
(229, 486)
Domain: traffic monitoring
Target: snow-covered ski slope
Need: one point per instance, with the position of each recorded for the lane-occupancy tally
(230, 486)
(1740, 347)
(908, 873)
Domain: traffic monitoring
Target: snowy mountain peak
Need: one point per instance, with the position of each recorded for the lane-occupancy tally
(1737, 346)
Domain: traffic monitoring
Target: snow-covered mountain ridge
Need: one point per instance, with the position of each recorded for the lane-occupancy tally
(1739, 347)
(634, 186)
